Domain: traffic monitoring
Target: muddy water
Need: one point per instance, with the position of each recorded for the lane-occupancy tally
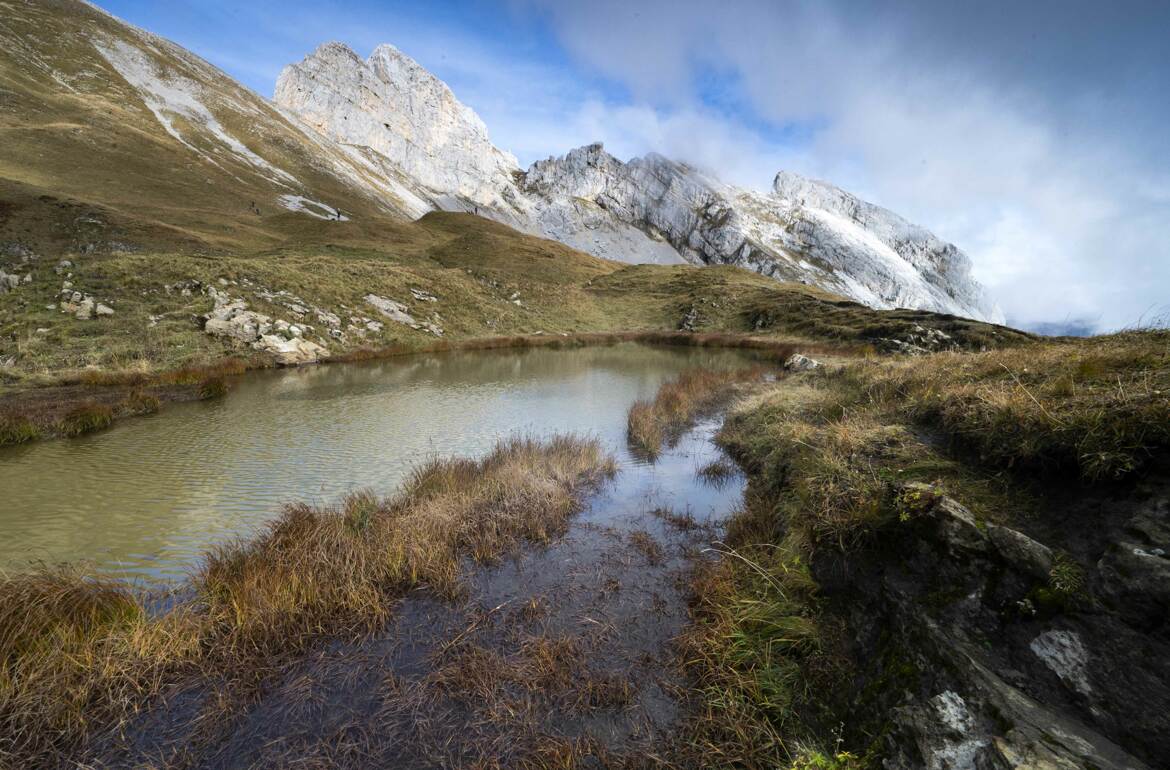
(147, 497)
(562, 656)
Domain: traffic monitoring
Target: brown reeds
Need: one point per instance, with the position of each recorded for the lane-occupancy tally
(651, 423)
(78, 654)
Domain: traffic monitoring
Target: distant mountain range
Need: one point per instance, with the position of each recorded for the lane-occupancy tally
(185, 147)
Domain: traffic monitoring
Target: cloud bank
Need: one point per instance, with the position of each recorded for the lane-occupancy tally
(1033, 137)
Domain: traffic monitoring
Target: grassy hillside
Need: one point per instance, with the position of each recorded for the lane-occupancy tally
(486, 280)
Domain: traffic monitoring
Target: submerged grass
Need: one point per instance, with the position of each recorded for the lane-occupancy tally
(78, 654)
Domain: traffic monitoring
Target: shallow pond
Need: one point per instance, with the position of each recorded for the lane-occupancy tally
(147, 497)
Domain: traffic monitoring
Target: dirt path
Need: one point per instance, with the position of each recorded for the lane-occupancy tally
(562, 657)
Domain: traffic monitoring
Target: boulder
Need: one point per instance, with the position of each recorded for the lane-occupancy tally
(291, 352)
(395, 311)
(8, 281)
(1021, 551)
(233, 319)
(800, 363)
(85, 309)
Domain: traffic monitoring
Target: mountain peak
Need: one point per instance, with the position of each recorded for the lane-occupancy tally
(651, 208)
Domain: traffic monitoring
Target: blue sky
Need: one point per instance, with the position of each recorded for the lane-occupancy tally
(1033, 135)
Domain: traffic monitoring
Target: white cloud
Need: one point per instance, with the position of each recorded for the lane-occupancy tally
(1061, 219)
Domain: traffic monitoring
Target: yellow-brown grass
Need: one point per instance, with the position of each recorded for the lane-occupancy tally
(1100, 405)
(77, 653)
(754, 650)
(86, 417)
(340, 566)
(651, 423)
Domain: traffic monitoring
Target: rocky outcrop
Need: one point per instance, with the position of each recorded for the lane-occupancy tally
(284, 341)
(798, 362)
(984, 646)
(398, 313)
(392, 106)
(804, 231)
(650, 209)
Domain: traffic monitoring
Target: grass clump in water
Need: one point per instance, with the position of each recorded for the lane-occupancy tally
(717, 472)
(140, 402)
(650, 424)
(212, 387)
(15, 429)
(86, 418)
(339, 566)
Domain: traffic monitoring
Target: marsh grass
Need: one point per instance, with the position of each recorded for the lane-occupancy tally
(17, 429)
(643, 542)
(683, 522)
(140, 402)
(757, 652)
(212, 387)
(652, 423)
(86, 418)
(828, 455)
(79, 654)
(717, 472)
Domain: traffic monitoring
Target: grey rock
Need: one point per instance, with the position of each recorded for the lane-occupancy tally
(291, 352)
(1065, 654)
(801, 363)
(1021, 551)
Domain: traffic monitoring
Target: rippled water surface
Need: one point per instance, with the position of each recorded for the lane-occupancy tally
(148, 496)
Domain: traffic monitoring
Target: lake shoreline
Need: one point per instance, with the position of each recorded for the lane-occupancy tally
(52, 411)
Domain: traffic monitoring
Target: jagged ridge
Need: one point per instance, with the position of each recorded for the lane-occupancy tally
(650, 209)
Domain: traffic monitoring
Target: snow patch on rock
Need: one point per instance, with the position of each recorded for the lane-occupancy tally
(170, 95)
(313, 208)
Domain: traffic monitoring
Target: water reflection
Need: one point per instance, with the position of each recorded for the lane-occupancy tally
(146, 497)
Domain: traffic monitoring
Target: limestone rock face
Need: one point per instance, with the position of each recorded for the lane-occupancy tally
(649, 209)
(392, 106)
(805, 230)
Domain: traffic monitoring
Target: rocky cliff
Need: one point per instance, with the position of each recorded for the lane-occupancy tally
(649, 209)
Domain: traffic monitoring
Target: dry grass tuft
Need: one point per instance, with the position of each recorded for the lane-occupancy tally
(341, 566)
(753, 649)
(678, 402)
